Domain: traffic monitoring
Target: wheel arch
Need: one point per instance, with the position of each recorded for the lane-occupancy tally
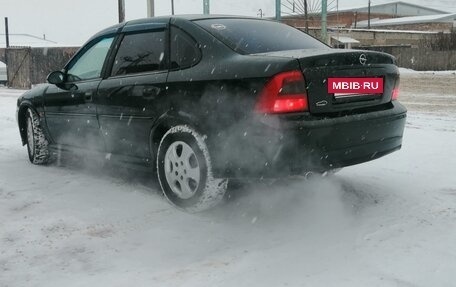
(164, 123)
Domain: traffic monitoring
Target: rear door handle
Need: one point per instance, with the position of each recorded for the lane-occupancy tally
(88, 96)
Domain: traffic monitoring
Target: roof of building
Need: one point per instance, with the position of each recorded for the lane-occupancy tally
(440, 18)
(344, 39)
(26, 40)
(396, 3)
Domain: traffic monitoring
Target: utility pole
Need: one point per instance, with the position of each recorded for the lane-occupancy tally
(206, 7)
(7, 32)
(6, 50)
(121, 10)
(324, 7)
(278, 12)
(172, 7)
(369, 15)
(306, 16)
(356, 19)
(150, 8)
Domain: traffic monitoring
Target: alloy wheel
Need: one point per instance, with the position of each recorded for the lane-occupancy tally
(182, 169)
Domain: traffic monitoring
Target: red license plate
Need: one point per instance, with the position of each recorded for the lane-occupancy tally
(355, 86)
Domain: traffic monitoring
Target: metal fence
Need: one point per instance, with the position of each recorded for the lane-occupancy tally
(28, 66)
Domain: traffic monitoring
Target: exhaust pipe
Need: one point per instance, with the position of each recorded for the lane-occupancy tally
(308, 175)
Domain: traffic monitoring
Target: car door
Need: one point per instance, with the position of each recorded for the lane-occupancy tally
(128, 98)
(70, 110)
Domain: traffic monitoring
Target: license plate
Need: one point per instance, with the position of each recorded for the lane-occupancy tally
(355, 86)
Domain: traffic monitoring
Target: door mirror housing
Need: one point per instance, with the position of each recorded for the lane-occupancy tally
(56, 77)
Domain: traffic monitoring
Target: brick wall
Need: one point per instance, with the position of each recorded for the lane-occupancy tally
(348, 20)
(344, 19)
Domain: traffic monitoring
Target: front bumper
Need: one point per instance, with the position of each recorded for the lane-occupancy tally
(290, 145)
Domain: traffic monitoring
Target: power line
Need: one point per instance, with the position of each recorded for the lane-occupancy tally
(284, 5)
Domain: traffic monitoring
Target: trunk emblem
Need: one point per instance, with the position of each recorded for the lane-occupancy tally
(321, 103)
(362, 59)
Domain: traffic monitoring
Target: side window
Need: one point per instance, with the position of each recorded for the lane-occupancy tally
(184, 50)
(90, 63)
(141, 52)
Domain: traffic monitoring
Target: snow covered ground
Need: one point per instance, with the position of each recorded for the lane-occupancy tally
(390, 222)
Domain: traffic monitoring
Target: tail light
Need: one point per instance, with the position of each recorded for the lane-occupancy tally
(395, 94)
(283, 93)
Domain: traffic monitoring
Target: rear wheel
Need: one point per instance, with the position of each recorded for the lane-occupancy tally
(37, 144)
(185, 172)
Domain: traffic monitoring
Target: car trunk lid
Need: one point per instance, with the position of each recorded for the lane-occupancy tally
(319, 66)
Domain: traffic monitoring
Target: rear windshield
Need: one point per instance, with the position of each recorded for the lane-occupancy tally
(251, 36)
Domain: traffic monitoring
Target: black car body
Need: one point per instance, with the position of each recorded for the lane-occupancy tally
(255, 90)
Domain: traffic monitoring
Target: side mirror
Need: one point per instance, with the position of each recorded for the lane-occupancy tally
(56, 77)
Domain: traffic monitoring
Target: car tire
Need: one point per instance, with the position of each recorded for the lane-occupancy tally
(37, 143)
(184, 170)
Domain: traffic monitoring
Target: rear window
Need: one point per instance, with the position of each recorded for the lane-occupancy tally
(251, 36)
(140, 52)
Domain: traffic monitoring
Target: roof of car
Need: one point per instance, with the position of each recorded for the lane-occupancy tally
(190, 17)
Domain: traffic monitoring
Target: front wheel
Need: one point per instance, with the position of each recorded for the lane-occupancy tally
(37, 144)
(185, 172)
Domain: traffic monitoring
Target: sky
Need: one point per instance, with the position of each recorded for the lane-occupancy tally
(72, 22)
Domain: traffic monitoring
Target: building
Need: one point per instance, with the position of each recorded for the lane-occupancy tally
(397, 9)
(436, 22)
(420, 38)
(351, 17)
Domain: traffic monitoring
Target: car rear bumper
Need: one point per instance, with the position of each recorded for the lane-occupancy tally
(290, 145)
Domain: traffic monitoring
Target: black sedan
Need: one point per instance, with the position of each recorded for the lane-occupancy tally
(204, 99)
